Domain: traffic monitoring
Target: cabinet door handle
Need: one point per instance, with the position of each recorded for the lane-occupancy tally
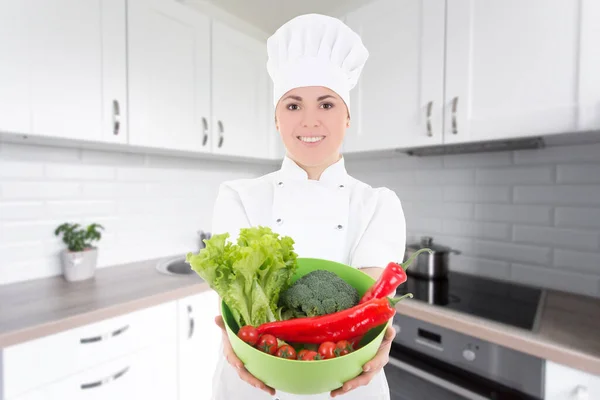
(454, 106)
(429, 108)
(104, 381)
(204, 131)
(116, 117)
(221, 134)
(191, 322)
(105, 336)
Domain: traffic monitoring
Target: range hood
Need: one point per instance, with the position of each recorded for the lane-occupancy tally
(477, 147)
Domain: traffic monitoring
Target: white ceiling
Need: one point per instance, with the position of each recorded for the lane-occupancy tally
(268, 15)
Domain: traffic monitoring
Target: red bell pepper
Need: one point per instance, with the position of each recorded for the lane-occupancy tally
(392, 276)
(342, 325)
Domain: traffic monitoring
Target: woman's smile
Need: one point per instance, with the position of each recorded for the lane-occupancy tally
(311, 140)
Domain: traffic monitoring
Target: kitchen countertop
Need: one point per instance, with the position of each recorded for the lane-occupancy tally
(33, 309)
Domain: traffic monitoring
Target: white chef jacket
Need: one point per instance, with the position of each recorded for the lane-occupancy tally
(338, 218)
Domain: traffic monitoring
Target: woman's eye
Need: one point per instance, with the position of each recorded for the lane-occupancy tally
(327, 105)
(292, 107)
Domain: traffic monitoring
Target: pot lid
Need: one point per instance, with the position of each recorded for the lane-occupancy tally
(427, 242)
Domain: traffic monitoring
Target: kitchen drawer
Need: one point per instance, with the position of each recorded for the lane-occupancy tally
(566, 383)
(147, 374)
(48, 359)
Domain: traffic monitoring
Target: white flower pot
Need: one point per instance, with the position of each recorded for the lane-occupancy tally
(79, 265)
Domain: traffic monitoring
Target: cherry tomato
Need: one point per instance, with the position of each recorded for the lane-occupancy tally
(342, 348)
(327, 350)
(301, 353)
(310, 355)
(248, 334)
(354, 342)
(267, 343)
(286, 351)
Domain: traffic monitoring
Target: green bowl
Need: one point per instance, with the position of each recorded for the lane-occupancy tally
(309, 377)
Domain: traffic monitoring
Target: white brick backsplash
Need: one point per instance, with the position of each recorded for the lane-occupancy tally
(111, 158)
(560, 154)
(25, 210)
(477, 194)
(67, 209)
(25, 251)
(81, 172)
(555, 279)
(405, 162)
(531, 217)
(39, 190)
(447, 177)
(565, 238)
(155, 174)
(32, 153)
(513, 252)
(432, 225)
(112, 190)
(20, 169)
(421, 193)
(558, 195)
(445, 209)
(31, 231)
(578, 173)
(578, 217)
(399, 179)
(480, 266)
(507, 176)
(478, 160)
(577, 260)
(514, 213)
(488, 230)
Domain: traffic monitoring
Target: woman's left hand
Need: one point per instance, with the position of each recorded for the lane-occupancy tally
(371, 368)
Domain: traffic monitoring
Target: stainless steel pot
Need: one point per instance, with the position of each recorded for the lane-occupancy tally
(429, 265)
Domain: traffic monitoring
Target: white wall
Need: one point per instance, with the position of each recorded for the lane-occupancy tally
(526, 216)
(151, 206)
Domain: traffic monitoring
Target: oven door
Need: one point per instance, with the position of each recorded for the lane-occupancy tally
(412, 375)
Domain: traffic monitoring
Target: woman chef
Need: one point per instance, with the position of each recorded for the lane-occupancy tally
(314, 62)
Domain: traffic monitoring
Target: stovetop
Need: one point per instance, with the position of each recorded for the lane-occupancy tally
(505, 302)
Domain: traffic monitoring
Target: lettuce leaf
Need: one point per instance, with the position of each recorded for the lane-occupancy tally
(249, 275)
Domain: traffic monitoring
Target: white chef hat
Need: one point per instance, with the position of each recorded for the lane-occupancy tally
(315, 50)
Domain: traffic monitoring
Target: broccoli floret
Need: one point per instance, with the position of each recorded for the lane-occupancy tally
(319, 292)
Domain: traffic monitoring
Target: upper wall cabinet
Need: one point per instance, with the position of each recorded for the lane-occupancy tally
(63, 70)
(398, 100)
(464, 70)
(240, 96)
(169, 76)
(521, 68)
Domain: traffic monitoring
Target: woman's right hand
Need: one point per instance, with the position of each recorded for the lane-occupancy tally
(237, 363)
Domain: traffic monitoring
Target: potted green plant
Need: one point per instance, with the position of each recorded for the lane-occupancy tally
(80, 257)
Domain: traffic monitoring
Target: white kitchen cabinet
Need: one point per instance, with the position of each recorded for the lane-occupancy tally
(516, 69)
(69, 352)
(566, 383)
(240, 96)
(15, 108)
(169, 76)
(398, 101)
(470, 71)
(150, 373)
(198, 341)
(63, 70)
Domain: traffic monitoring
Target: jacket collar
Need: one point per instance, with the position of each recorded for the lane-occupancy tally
(335, 173)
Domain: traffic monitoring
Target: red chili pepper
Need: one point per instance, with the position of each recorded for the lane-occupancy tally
(392, 276)
(341, 325)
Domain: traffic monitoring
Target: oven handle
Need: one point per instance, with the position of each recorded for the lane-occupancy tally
(467, 394)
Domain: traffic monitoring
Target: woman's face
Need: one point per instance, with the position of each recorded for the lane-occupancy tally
(312, 122)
